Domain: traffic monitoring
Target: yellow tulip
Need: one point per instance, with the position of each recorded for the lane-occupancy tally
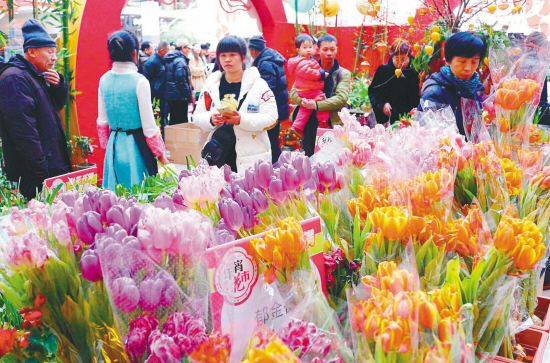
(435, 37)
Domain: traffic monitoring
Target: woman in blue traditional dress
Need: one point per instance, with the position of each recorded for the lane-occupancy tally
(125, 123)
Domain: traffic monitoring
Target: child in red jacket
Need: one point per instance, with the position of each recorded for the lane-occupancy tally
(309, 82)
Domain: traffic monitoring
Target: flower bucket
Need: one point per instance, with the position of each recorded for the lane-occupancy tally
(543, 312)
(533, 342)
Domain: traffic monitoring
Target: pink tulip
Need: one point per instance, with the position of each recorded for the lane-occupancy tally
(70, 197)
(285, 158)
(90, 267)
(243, 198)
(289, 176)
(106, 201)
(125, 294)
(149, 294)
(163, 348)
(38, 215)
(276, 191)
(344, 157)
(17, 225)
(163, 201)
(26, 250)
(249, 218)
(62, 233)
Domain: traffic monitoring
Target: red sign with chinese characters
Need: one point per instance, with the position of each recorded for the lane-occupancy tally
(80, 180)
(241, 299)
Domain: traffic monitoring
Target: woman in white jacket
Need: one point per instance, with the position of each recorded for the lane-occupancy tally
(256, 109)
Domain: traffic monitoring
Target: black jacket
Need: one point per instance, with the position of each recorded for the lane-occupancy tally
(154, 70)
(271, 65)
(32, 134)
(178, 81)
(440, 91)
(401, 93)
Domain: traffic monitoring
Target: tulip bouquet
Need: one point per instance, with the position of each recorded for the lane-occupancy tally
(517, 95)
(37, 262)
(397, 323)
(270, 349)
(182, 337)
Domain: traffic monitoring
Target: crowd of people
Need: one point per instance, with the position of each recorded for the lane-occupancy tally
(241, 102)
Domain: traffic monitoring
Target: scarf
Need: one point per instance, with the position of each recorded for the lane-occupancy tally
(470, 86)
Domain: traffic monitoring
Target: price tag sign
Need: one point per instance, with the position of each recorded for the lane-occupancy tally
(80, 180)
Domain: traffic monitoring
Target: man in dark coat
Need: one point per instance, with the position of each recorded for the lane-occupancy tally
(31, 96)
(178, 83)
(271, 65)
(393, 95)
(155, 71)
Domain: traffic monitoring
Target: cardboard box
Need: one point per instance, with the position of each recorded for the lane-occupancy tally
(184, 140)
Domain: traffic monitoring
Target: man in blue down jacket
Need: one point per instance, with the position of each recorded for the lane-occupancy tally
(271, 65)
(31, 96)
(178, 83)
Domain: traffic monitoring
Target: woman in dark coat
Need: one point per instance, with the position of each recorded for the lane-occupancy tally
(393, 95)
(458, 79)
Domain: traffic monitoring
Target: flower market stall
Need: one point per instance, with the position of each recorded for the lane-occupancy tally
(412, 244)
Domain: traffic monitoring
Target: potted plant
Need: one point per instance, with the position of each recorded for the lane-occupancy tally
(81, 147)
(358, 100)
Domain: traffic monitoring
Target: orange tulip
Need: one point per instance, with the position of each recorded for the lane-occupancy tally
(371, 326)
(391, 336)
(393, 221)
(508, 99)
(446, 329)
(504, 124)
(402, 306)
(427, 314)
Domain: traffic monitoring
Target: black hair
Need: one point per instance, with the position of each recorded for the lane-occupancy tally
(400, 46)
(465, 44)
(205, 46)
(326, 38)
(145, 45)
(121, 44)
(302, 38)
(163, 45)
(231, 44)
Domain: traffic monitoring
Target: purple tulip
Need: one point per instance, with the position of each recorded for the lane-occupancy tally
(249, 221)
(169, 290)
(177, 198)
(289, 177)
(163, 201)
(225, 193)
(116, 215)
(303, 168)
(276, 191)
(243, 198)
(116, 232)
(237, 181)
(227, 173)
(263, 171)
(285, 158)
(249, 181)
(70, 197)
(134, 258)
(125, 294)
(111, 255)
(90, 266)
(222, 236)
(134, 214)
(222, 226)
(88, 226)
(259, 201)
(231, 212)
(106, 201)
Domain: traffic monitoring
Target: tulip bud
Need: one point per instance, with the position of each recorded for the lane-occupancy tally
(259, 201)
(427, 314)
(125, 294)
(263, 171)
(106, 201)
(249, 221)
(231, 212)
(90, 266)
(276, 191)
(243, 198)
(150, 293)
(70, 197)
(302, 164)
(116, 215)
(88, 226)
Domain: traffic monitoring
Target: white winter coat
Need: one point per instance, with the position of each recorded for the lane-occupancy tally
(258, 114)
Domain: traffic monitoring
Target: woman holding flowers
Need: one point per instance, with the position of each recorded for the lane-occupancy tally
(458, 79)
(125, 124)
(239, 136)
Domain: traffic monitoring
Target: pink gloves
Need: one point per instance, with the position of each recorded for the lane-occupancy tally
(156, 144)
(103, 132)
